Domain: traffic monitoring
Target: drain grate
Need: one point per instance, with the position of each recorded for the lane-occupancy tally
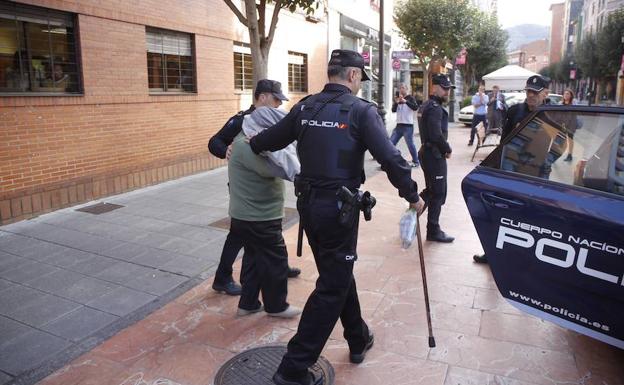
(291, 216)
(256, 367)
(100, 208)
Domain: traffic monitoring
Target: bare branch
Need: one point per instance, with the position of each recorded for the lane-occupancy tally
(236, 11)
(274, 18)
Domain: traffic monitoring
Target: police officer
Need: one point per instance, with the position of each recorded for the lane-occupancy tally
(536, 92)
(268, 93)
(435, 150)
(333, 130)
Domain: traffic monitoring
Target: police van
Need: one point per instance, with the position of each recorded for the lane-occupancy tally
(548, 206)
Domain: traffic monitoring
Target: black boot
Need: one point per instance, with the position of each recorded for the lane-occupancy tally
(439, 236)
(480, 258)
(308, 379)
(357, 358)
(293, 272)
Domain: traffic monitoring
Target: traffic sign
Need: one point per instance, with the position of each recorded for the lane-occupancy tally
(396, 64)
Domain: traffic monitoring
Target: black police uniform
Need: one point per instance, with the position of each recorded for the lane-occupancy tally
(333, 130)
(515, 115)
(433, 128)
(217, 145)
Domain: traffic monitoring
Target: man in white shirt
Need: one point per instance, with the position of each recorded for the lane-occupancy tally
(404, 105)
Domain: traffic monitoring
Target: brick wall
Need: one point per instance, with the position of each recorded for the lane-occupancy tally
(59, 151)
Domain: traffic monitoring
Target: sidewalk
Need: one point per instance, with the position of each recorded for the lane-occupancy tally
(70, 280)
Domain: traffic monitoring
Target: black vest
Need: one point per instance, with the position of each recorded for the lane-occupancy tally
(328, 152)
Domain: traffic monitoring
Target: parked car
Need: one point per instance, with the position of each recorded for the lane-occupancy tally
(552, 226)
(511, 98)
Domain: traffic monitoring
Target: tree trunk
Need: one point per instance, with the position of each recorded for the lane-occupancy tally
(259, 44)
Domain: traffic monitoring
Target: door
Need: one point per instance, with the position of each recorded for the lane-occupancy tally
(548, 206)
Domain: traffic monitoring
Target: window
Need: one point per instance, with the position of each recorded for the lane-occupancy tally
(573, 147)
(37, 50)
(170, 61)
(297, 72)
(243, 67)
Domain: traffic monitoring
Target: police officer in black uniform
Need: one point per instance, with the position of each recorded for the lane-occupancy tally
(435, 150)
(536, 92)
(333, 130)
(268, 93)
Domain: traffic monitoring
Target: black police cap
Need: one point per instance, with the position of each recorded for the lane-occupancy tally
(272, 86)
(537, 83)
(442, 80)
(348, 58)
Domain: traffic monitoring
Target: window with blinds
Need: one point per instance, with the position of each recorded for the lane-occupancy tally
(170, 61)
(38, 51)
(297, 72)
(243, 67)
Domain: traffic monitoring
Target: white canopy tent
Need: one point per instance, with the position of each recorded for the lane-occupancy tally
(508, 78)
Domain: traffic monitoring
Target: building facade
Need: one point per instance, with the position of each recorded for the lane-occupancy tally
(536, 55)
(556, 32)
(595, 13)
(98, 98)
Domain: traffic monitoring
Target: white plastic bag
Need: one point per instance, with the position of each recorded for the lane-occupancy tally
(407, 228)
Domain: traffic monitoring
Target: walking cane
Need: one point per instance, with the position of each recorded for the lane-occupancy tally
(424, 279)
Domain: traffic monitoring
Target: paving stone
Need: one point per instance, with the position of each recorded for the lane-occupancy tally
(4, 284)
(155, 258)
(10, 329)
(68, 257)
(127, 251)
(43, 310)
(29, 271)
(123, 272)
(16, 297)
(29, 351)
(80, 323)
(157, 282)
(86, 289)
(10, 261)
(55, 281)
(121, 301)
(4, 378)
(184, 265)
(93, 266)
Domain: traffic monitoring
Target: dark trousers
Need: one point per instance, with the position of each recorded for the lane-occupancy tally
(434, 168)
(476, 119)
(405, 131)
(335, 296)
(231, 248)
(265, 264)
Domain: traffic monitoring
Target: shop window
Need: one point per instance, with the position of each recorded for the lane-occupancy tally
(243, 67)
(38, 52)
(170, 61)
(297, 72)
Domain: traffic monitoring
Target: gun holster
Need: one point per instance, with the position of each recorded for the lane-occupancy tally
(352, 204)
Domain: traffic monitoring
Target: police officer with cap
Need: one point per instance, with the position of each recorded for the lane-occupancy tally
(268, 93)
(333, 130)
(536, 92)
(435, 150)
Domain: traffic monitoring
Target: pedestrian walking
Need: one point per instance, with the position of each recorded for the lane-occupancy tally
(496, 109)
(333, 130)
(405, 105)
(479, 102)
(268, 93)
(434, 151)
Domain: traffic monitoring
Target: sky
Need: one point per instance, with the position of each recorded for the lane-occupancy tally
(514, 12)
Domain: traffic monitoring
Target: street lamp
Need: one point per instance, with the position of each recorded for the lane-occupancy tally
(380, 83)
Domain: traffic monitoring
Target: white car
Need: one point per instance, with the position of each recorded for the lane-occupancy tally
(511, 98)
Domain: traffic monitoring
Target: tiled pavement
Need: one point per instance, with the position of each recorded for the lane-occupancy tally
(480, 339)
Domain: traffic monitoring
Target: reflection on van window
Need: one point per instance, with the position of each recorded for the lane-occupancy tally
(572, 147)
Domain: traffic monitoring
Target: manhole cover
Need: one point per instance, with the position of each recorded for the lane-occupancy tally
(100, 208)
(256, 367)
(291, 216)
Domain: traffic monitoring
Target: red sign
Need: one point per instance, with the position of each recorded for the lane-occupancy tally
(461, 59)
(366, 56)
(396, 64)
(572, 74)
(622, 65)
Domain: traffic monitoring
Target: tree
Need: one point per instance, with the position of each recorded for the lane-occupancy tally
(610, 45)
(253, 16)
(435, 29)
(586, 54)
(487, 52)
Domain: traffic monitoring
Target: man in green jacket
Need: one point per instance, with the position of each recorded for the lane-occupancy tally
(257, 209)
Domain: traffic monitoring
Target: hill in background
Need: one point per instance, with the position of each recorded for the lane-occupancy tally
(525, 33)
